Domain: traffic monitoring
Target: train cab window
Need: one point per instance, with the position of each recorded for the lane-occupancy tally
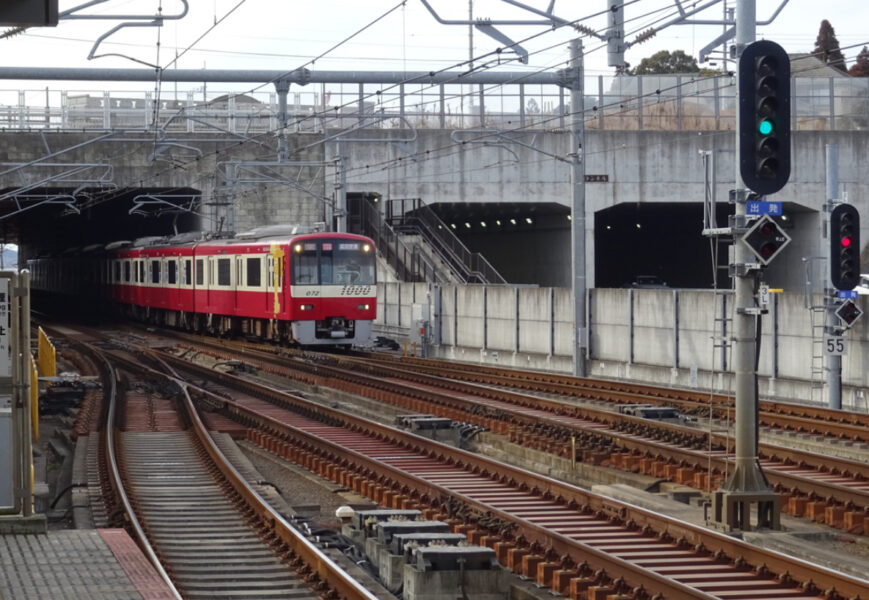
(171, 271)
(304, 264)
(200, 271)
(224, 271)
(127, 271)
(186, 277)
(155, 271)
(254, 275)
(347, 262)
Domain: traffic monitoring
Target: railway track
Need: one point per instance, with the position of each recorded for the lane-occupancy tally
(781, 415)
(562, 536)
(208, 532)
(830, 490)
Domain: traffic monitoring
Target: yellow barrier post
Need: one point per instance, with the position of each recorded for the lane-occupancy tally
(46, 355)
(34, 399)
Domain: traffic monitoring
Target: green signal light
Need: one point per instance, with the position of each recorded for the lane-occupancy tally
(765, 127)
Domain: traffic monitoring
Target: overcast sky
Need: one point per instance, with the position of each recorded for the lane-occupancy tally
(286, 34)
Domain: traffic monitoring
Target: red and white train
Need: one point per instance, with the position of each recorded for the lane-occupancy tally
(304, 288)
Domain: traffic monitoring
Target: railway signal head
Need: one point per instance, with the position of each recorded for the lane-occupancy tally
(848, 313)
(766, 239)
(764, 117)
(844, 247)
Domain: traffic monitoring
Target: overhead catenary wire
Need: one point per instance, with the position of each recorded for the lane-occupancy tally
(216, 152)
(428, 153)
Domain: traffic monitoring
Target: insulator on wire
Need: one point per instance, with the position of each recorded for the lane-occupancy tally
(12, 32)
(647, 34)
(585, 29)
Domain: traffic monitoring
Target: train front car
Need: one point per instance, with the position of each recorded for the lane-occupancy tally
(333, 291)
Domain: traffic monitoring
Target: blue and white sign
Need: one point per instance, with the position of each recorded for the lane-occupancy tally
(757, 207)
(847, 294)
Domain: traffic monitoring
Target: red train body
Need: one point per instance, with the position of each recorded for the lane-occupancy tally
(309, 289)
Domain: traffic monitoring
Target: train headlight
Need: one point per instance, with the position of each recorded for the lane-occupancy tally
(366, 247)
(297, 248)
(307, 307)
(363, 306)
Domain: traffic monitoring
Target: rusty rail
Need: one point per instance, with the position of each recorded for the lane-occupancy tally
(342, 461)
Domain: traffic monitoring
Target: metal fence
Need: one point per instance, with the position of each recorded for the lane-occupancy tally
(620, 103)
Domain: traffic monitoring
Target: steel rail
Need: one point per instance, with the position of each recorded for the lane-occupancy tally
(115, 480)
(558, 409)
(774, 411)
(692, 535)
(325, 567)
(557, 413)
(790, 417)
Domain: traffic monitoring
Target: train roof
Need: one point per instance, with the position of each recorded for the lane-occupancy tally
(276, 234)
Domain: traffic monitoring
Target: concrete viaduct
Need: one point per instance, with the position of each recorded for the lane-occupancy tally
(111, 168)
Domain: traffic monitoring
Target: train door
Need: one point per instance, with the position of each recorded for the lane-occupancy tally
(200, 290)
(222, 285)
(172, 282)
(274, 280)
(140, 279)
(210, 292)
(237, 294)
(127, 280)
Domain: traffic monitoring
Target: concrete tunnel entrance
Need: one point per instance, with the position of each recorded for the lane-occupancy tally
(530, 243)
(660, 242)
(100, 216)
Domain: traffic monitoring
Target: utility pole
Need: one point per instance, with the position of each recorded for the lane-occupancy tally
(470, 35)
(340, 190)
(575, 78)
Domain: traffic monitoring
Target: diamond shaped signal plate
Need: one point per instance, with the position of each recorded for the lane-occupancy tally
(848, 313)
(766, 239)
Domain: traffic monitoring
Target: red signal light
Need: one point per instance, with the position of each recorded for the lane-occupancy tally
(846, 241)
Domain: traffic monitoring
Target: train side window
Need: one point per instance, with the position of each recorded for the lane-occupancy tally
(224, 271)
(254, 276)
(127, 271)
(117, 271)
(141, 270)
(171, 271)
(155, 271)
(200, 271)
(187, 265)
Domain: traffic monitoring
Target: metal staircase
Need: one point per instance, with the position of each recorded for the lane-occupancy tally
(407, 261)
(414, 217)
(416, 243)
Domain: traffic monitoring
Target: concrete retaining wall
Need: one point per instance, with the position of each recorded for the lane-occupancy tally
(672, 337)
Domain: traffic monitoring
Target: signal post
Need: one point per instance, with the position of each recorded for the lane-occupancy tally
(763, 167)
(844, 269)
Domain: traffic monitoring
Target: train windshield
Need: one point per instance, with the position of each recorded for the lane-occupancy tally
(333, 262)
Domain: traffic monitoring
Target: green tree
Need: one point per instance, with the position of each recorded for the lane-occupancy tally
(665, 63)
(861, 67)
(827, 47)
